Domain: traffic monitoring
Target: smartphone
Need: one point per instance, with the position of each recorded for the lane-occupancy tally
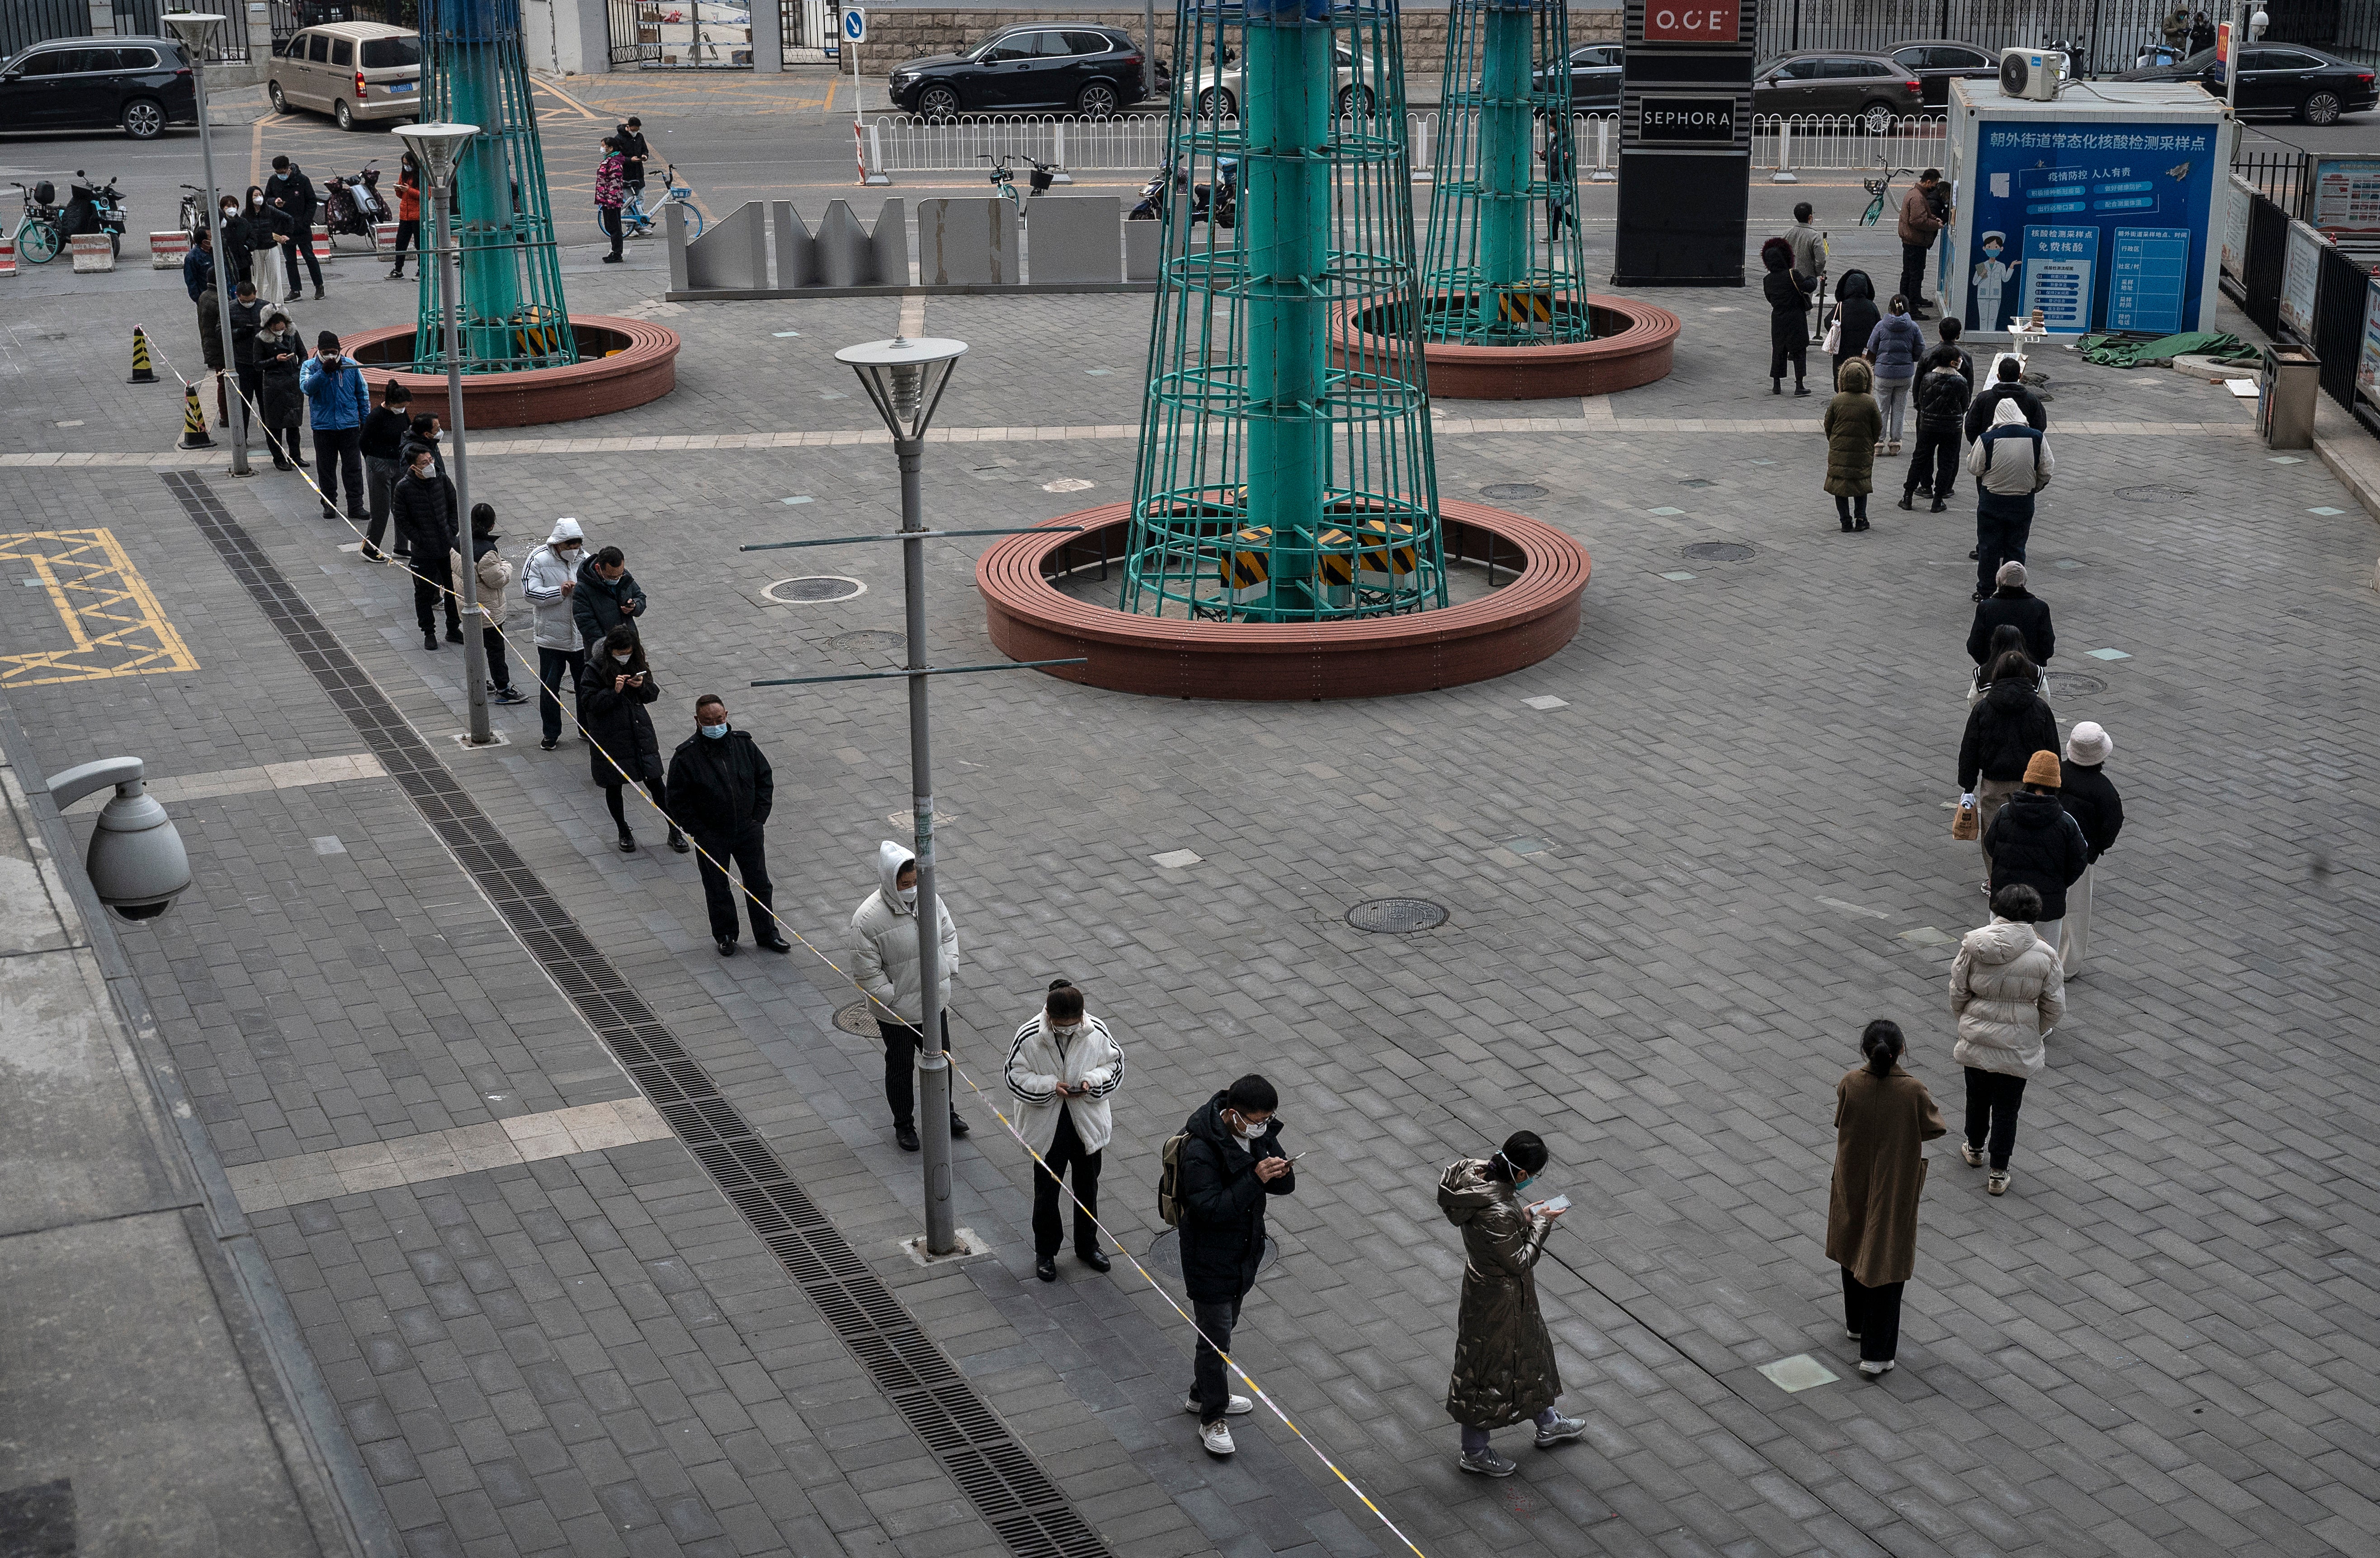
(1558, 1204)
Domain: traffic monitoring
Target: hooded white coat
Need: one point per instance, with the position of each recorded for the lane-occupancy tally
(886, 929)
(2013, 457)
(543, 575)
(1041, 1059)
(2007, 992)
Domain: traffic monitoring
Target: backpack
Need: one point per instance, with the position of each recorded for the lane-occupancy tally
(1168, 1180)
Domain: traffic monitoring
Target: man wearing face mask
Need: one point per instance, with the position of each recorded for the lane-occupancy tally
(1062, 1068)
(720, 790)
(885, 964)
(1230, 1160)
(548, 577)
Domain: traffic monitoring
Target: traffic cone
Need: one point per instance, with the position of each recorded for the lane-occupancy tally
(140, 370)
(194, 420)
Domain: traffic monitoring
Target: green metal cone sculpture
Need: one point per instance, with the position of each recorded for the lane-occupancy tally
(512, 311)
(1505, 153)
(1286, 470)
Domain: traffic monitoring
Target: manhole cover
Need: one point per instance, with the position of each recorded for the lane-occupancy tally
(1397, 916)
(2071, 683)
(1697, 481)
(858, 1018)
(813, 590)
(2156, 494)
(1513, 490)
(1716, 552)
(870, 640)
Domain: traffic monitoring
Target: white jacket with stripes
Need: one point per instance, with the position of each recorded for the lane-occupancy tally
(1041, 1059)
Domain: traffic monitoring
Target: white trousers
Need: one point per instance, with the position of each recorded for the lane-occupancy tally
(2078, 910)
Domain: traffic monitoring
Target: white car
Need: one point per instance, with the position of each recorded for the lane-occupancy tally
(1220, 92)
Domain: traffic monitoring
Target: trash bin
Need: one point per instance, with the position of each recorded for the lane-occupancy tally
(2290, 379)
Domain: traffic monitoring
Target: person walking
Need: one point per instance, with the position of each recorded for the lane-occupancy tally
(280, 359)
(1883, 1118)
(2012, 462)
(622, 748)
(549, 577)
(1062, 1066)
(1855, 316)
(2005, 728)
(1788, 293)
(885, 966)
(1941, 400)
(1893, 349)
(294, 192)
(609, 195)
(495, 575)
(423, 504)
(1504, 1366)
(2034, 841)
(1227, 1160)
(408, 214)
(381, 442)
(1919, 224)
(1852, 425)
(2007, 992)
(2012, 604)
(720, 789)
(607, 596)
(338, 403)
(2090, 798)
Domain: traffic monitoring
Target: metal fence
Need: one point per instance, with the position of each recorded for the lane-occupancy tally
(24, 23)
(2104, 35)
(1819, 142)
(2282, 178)
(226, 41)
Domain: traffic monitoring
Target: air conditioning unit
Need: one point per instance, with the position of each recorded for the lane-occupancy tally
(2031, 73)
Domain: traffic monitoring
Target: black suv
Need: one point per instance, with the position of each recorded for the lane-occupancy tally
(143, 84)
(1091, 70)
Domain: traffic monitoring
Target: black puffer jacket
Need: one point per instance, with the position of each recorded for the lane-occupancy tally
(2089, 797)
(1941, 402)
(2034, 841)
(1979, 412)
(425, 514)
(720, 787)
(2007, 726)
(1223, 1204)
(616, 722)
(1788, 298)
(1856, 297)
(2020, 608)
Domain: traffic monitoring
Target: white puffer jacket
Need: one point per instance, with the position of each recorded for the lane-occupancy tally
(2007, 992)
(886, 929)
(543, 575)
(1041, 1059)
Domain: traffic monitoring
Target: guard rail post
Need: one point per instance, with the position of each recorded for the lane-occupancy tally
(1784, 174)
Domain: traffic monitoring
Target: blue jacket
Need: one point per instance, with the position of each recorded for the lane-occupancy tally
(198, 271)
(335, 399)
(1896, 343)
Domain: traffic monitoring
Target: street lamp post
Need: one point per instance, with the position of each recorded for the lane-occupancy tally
(435, 146)
(191, 28)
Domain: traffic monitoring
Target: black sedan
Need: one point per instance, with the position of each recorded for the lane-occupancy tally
(1068, 66)
(2284, 80)
(141, 84)
(1594, 78)
(1939, 61)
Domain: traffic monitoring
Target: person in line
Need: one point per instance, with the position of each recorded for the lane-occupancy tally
(424, 431)
(2007, 384)
(239, 241)
(634, 152)
(1062, 1066)
(246, 318)
(280, 359)
(423, 503)
(2012, 462)
(1883, 1118)
(609, 195)
(549, 577)
(2005, 728)
(2007, 639)
(265, 227)
(1229, 1160)
(1855, 317)
(338, 402)
(1948, 333)
(1893, 349)
(495, 575)
(1852, 425)
(199, 267)
(885, 966)
(2202, 34)
(721, 788)
(210, 345)
(1504, 1366)
(381, 442)
(622, 748)
(1919, 224)
(2012, 604)
(607, 596)
(2007, 993)
(1809, 246)
(291, 190)
(408, 214)
(2034, 841)
(1941, 398)
(1788, 294)
(2090, 798)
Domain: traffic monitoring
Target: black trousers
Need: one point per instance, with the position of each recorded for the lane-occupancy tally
(901, 1043)
(1209, 1382)
(551, 666)
(1875, 1313)
(407, 233)
(1936, 464)
(1048, 1223)
(1993, 1100)
(500, 671)
(1913, 274)
(1795, 351)
(302, 246)
(434, 578)
(2003, 528)
(746, 848)
(288, 443)
(1851, 508)
(340, 451)
(607, 217)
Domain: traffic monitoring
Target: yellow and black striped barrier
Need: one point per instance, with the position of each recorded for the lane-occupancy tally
(194, 420)
(141, 372)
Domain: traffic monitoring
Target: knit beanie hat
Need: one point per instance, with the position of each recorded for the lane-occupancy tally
(2043, 770)
(2089, 744)
(2011, 573)
(328, 340)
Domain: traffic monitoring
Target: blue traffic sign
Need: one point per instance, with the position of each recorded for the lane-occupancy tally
(854, 26)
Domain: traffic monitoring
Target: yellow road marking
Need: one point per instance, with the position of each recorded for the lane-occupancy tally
(112, 618)
(50, 581)
(548, 88)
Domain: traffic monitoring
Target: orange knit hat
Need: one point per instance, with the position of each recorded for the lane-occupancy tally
(2043, 770)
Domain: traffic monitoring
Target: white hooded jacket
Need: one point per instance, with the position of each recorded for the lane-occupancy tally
(543, 575)
(2005, 991)
(886, 929)
(2013, 457)
(1041, 1059)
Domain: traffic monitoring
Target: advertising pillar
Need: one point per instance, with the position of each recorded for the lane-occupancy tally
(1685, 143)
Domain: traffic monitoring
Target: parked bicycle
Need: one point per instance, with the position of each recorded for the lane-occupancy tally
(637, 219)
(1003, 179)
(1879, 193)
(37, 237)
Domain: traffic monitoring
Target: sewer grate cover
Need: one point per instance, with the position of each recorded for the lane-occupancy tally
(814, 590)
(870, 640)
(2156, 494)
(1698, 481)
(1513, 490)
(2071, 684)
(858, 1018)
(1397, 916)
(1716, 552)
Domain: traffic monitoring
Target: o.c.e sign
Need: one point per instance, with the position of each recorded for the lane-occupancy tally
(1708, 21)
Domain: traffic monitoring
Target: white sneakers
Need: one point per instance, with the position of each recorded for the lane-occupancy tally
(1239, 1405)
(1998, 1183)
(1217, 1437)
(1971, 1154)
(1873, 1368)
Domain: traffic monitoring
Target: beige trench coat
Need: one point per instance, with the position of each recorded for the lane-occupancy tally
(1879, 1174)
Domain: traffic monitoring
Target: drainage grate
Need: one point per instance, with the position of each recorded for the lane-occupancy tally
(813, 589)
(1513, 490)
(2156, 494)
(1717, 552)
(1007, 1486)
(2071, 683)
(859, 1018)
(1397, 916)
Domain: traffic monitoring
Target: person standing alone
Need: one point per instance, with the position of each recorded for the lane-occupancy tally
(294, 193)
(408, 214)
(1919, 223)
(887, 969)
(1504, 1366)
(1227, 1160)
(1062, 1067)
(1883, 1116)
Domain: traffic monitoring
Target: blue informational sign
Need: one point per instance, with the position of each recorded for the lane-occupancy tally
(2099, 225)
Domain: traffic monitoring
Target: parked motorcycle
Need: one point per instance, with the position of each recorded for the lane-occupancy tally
(353, 204)
(93, 208)
(1218, 203)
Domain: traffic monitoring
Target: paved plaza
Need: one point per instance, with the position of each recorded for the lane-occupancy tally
(1684, 860)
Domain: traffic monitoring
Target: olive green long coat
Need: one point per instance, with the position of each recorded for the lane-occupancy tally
(1879, 1174)
(1504, 1369)
(1853, 423)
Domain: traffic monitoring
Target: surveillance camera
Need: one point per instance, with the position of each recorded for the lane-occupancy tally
(137, 863)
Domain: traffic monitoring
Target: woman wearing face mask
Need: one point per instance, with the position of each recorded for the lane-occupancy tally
(1504, 1368)
(280, 402)
(237, 241)
(264, 238)
(623, 749)
(1062, 1068)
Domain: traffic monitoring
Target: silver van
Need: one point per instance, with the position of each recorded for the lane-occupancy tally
(351, 70)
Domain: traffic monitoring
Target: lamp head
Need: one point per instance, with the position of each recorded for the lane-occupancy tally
(905, 379)
(435, 148)
(192, 27)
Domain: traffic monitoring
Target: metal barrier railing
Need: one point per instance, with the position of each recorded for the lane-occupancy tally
(1821, 142)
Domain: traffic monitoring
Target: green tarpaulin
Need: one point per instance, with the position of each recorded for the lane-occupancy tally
(2131, 351)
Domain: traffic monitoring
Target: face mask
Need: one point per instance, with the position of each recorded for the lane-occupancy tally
(1065, 1030)
(1525, 1184)
(623, 659)
(569, 553)
(714, 731)
(909, 898)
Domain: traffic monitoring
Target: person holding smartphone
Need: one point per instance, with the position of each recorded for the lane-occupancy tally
(1062, 1067)
(622, 748)
(1504, 1367)
(423, 504)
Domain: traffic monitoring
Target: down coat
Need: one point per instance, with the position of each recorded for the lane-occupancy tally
(1504, 1368)
(2007, 991)
(2032, 841)
(1041, 1057)
(1222, 1228)
(617, 724)
(1853, 424)
(886, 930)
(1881, 1123)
